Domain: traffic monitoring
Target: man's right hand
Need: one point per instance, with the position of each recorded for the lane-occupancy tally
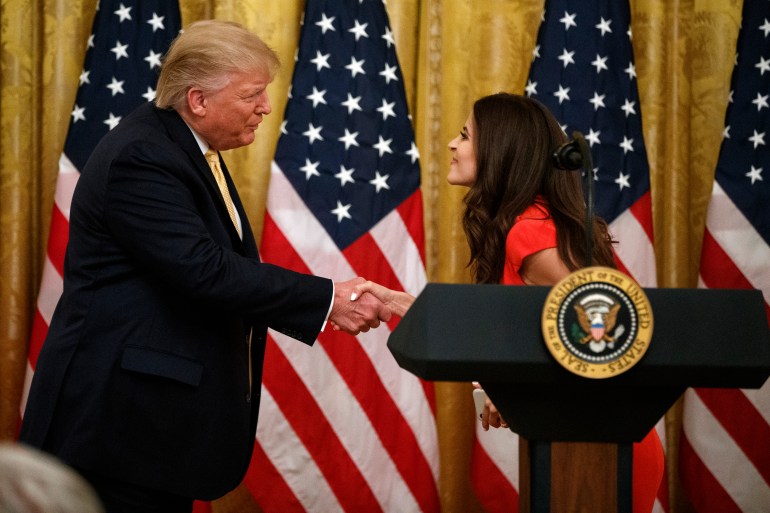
(356, 316)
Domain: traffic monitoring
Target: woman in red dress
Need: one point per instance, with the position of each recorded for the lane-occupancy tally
(524, 221)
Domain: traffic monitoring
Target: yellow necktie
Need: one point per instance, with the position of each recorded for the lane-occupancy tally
(213, 159)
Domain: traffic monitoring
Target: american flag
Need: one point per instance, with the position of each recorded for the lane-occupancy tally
(342, 427)
(121, 67)
(583, 71)
(725, 443)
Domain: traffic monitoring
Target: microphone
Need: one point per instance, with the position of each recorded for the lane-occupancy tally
(568, 156)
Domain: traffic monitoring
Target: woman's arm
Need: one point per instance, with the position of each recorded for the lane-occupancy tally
(398, 302)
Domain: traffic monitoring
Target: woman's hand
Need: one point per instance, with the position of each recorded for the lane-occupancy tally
(490, 417)
(398, 302)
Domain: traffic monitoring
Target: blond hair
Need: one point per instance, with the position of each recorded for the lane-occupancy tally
(204, 55)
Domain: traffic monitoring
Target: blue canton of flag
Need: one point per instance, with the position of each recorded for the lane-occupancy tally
(583, 70)
(347, 144)
(121, 68)
(745, 157)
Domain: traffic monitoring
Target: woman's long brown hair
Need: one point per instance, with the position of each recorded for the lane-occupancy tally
(515, 137)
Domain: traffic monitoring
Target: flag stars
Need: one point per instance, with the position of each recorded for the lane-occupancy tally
(765, 27)
(150, 94)
(345, 176)
(630, 71)
(414, 153)
(380, 182)
(120, 50)
(726, 132)
(84, 77)
(321, 61)
(349, 139)
(389, 73)
(593, 137)
(342, 211)
(600, 63)
(78, 114)
(356, 67)
(387, 109)
(628, 107)
(758, 139)
(535, 52)
(567, 57)
(388, 37)
(760, 101)
(116, 86)
(359, 30)
(352, 104)
(112, 121)
(623, 181)
(124, 13)
(604, 26)
(763, 65)
(326, 23)
(310, 169)
(153, 59)
(755, 174)
(313, 133)
(317, 97)
(562, 94)
(568, 20)
(531, 88)
(597, 101)
(383, 146)
(156, 22)
(627, 145)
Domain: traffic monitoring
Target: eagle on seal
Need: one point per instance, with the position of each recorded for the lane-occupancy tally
(597, 325)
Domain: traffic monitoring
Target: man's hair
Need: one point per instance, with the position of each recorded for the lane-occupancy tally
(34, 482)
(204, 55)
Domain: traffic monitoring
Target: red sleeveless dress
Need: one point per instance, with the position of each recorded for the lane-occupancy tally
(535, 231)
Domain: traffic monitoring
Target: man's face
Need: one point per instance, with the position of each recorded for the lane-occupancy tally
(234, 112)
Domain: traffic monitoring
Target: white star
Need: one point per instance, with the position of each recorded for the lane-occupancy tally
(321, 61)
(120, 51)
(317, 97)
(326, 23)
(387, 109)
(726, 132)
(359, 30)
(352, 103)
(631, 70)
(413, 152)
(389, 73)
(388, 37)
(763, 65)
(566, 57)
(84, 77)
(116, 86)
(593, 137)
(760, 101)
(562, 94)
(627, 145)
(600, 63)
(356, 67)
(531, 88)
(342, 211)
(154, 59)
(112, 121)
(345, 176)
(310, 169)
(755, 174)
(628, 107)
(349, 139)
(568, 20)
(758, 139)
(604, 26)
(597, 101)
(536, 52)
(91, 41)
(156, 22)
(313, 133)
(150, 94)
(765, 27)
(383, 146)
(622, 181)
(124, 13)
(78, 114)
(380, 182)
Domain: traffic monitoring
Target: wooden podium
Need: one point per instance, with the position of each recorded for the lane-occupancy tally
(578, 431)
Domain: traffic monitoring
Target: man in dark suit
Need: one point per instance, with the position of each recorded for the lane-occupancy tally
(149, 380)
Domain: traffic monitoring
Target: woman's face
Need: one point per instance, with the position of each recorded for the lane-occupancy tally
(462, 169)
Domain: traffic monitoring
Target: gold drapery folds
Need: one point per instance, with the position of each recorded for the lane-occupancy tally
(451, 52)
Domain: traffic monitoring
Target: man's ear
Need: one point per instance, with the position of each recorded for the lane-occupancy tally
(196, 101)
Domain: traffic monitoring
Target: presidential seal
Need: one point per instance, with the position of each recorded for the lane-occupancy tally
(597, 322)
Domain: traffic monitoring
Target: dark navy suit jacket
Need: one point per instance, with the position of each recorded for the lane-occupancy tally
(144, 375)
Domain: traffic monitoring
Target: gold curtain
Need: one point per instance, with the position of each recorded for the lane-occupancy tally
(451, 52)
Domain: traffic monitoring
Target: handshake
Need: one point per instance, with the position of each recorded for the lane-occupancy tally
(360, 305)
